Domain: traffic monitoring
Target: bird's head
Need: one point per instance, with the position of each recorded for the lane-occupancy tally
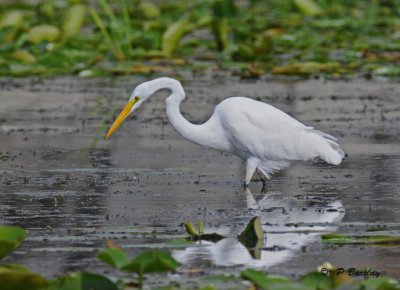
(139, 95)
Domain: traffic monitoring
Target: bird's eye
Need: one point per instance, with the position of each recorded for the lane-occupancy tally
(137, 98)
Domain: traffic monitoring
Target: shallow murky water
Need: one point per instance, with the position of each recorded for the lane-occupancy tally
(72, 190)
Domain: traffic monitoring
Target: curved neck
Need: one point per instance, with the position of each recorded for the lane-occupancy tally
(200, 134)
(167, 83)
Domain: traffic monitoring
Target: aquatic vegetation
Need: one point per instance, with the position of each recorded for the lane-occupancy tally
(321, 280)
(151, 261)
(14, 276)
(291, 37)
(361, 239)
(200, 235)
(10, 238)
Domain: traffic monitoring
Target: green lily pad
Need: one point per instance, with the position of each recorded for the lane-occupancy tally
(114, 257)
(82, 281)
(16, 277)
(150, 262)
(264, 281)
(10, 239)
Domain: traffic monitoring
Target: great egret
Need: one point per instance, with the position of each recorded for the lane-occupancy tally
(262, 135)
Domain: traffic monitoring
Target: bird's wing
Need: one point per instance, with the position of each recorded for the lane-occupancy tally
(258, 129)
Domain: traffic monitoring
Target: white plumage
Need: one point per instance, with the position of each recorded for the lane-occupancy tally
(262, 135)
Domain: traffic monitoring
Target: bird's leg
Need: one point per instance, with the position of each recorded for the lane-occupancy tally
(264, 183)
(263, 180)
(263, 177)
(251, 166)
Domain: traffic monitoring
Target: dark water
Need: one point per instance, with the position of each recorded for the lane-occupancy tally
(73, 191)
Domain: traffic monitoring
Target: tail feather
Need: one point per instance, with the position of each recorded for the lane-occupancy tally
(325, 147)
(325, 135)
(269, 167)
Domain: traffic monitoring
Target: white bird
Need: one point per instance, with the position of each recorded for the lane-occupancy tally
(262, 135)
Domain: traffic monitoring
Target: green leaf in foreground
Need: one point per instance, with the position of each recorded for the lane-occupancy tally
(315, 280)
(13, 277)
(150, 262)
(263, 281)
(82, 281)
(114, 257)
(10, 239)
(382, 283)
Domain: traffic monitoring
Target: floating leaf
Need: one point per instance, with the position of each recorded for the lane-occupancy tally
(343, 239)
(73, 20)
(173, 35)
(113, 257)
(150, 262)
(44, 32)
(308, 7)
(179, 242)
(10, 239)
(316, 280)
(15, 277)
(266, 282)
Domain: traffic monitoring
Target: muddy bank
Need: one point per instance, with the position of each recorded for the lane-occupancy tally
(72, 190)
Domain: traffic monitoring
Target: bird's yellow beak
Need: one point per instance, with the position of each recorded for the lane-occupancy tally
(122, 116)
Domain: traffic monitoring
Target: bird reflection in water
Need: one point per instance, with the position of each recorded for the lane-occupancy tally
(289, 224)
